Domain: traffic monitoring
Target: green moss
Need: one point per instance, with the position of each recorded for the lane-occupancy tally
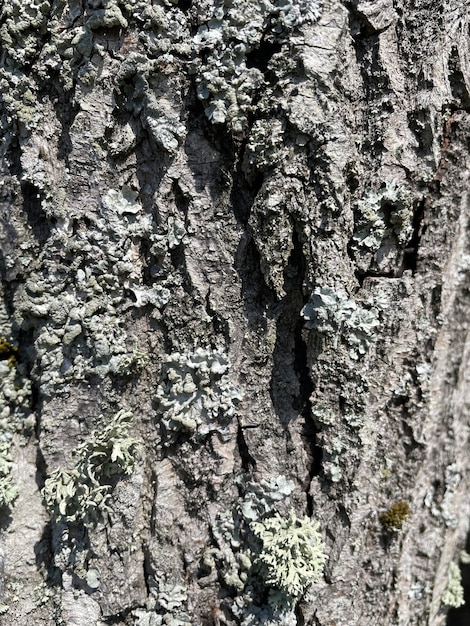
(393, 519)
(7, 350)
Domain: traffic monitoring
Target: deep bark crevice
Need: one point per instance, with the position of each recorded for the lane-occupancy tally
(35, 214)
(410, 256)
(291, 362)
(260, 57)
(247, 461)
(257, 296)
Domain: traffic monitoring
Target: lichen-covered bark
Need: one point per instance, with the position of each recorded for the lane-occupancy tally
(235, 271)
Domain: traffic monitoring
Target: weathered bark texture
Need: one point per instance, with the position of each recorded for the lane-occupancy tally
(235, 276)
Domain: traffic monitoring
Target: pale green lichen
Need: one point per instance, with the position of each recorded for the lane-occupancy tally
(453, 595)
(84, 491)
(292, 554)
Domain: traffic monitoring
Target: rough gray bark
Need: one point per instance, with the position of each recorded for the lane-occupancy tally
(236, 233)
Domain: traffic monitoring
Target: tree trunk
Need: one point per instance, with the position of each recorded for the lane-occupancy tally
(235, 273)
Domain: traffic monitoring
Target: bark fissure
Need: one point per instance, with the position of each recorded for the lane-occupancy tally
(246, 225)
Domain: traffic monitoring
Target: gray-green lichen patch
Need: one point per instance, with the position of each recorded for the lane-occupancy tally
(383, 226)
(83, 492)
(109, 16)
(233, 556)
(15, 414)
(148, 92)
(263, 146)
(79, 309)
(226, 82)
(196, 394)
(166, 604)
(260, 497)
(263, 616)
(332, 313)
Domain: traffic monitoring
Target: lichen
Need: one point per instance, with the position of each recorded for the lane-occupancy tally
(196, 394)
(332, 313)
(15, 414)
(150, 98)
(78, 315)
(8, 491)
(262, 149)
(165, 604)
(226, 83)
(260, 498)
(453, 595)
(251, 615)
(292, 555)
(84, 491)
(383, 224)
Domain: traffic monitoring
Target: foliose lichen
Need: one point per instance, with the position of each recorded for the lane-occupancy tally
(15, 414)
(251, 615)
(262, 149)
(383, 224)
(332, 313)
(226, 82)
(196, 394)
(260, 498)
(78, 316)
(453, 595)
(141, 84)
(292, 555)
(84, 491)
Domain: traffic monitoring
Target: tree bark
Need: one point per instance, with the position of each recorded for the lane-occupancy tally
(235, 274)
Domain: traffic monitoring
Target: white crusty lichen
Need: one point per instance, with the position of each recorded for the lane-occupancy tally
(453, 595)
(333, 313)
(196, 394)
(292, 556)
(84, 491)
